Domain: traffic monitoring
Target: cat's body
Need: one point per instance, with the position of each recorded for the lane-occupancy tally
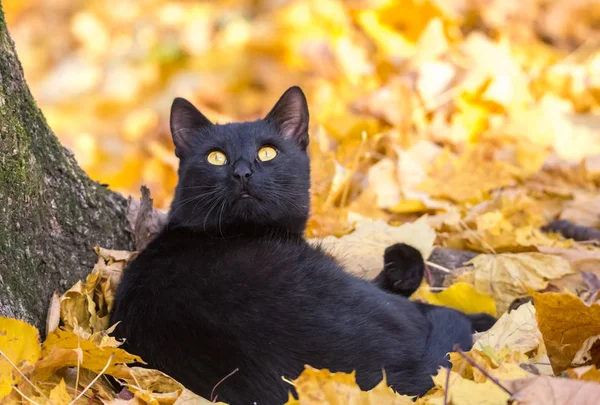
(231, 284)
(268, 306)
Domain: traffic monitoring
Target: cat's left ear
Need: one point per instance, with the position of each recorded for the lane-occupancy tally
(186, 122)
(290, 116)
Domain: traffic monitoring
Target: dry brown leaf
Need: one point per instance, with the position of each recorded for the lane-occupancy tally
(566, 322)
(586, 373)
(507, 276)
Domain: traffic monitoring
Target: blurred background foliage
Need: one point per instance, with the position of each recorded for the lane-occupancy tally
(416, 105)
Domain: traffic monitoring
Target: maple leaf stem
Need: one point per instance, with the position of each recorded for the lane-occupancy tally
(25, 378)
(478, 367)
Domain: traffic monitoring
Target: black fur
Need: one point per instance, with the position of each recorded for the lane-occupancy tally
(232, 284)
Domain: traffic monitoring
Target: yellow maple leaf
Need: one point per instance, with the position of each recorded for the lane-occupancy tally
(566, 322)
(19, 343)
(63, 348)
(59, 394)
(461, 296)
(462, 391)
(501, 365)
(467, 178)
(322, 387)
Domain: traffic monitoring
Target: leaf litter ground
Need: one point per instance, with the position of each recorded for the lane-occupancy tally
(432, 123)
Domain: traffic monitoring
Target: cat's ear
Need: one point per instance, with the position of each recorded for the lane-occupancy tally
(290, 116)
(186, 121)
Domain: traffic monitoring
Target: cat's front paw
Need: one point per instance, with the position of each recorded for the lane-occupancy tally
(481, 322)
(403, 269)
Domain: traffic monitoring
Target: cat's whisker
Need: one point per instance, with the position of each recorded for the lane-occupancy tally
(212, 207)
(181, 204)
(198, 187)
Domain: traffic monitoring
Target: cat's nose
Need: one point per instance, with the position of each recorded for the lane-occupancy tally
(242, 171)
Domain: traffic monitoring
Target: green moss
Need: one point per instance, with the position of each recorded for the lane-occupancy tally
(14, 170)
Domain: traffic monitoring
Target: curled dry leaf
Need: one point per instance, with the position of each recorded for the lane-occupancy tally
(143, 220)
(516, 330)
(516, 339)
(53, 317)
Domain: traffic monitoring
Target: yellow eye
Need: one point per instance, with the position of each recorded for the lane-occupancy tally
(217, 158)
(267, 153)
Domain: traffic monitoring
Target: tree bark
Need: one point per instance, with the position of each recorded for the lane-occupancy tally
(51, 213)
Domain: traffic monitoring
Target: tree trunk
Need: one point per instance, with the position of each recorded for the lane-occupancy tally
(51, 213)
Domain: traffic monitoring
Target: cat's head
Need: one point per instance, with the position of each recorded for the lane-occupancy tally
(239, 176)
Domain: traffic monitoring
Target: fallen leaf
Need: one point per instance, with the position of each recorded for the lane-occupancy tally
(583, 210)
(19, 343)
(63, 348)
(501, 365)
(516, 330)
(586, 373)
(587, 352)
(322, 387)
(53, 317)
(461, 296)
(545, 390)
(187, 397)
(468, 178)
(507, 276)
(461, 391)
(566, 322)
(152, 386)
(59, 394)
(361, 251)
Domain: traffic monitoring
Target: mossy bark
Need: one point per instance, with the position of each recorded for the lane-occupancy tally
(51, 213)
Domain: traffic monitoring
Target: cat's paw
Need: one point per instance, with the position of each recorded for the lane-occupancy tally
(481, 322)
(403, 269)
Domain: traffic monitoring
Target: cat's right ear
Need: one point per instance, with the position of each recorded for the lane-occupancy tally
(186, 122)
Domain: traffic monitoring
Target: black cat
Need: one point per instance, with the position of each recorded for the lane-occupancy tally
(231, 283)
